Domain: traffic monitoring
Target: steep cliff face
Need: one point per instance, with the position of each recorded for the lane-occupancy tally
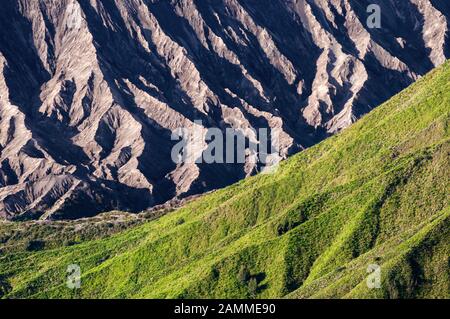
(91, 90)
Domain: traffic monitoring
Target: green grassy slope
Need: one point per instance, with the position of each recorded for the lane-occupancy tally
(378, 193)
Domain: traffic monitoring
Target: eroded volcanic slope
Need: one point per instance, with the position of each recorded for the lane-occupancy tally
(91, 90)
(374, 196)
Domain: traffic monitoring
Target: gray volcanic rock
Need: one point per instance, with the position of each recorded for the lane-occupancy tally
(91, 90)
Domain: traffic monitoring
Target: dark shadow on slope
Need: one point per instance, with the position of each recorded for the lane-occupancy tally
(155, 165)
(415, 54)
(444, 8)
(130, 61)
(380, 86)
(24, 75)
(284, 99)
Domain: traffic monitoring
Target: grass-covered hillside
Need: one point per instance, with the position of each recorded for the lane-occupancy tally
(378, 193)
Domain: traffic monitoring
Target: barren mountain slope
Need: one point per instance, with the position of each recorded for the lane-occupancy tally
(91, 90)
(367, 208)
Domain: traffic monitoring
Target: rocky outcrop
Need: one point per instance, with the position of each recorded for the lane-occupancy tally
(91, 90)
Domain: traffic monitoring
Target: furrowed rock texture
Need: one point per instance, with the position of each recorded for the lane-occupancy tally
(92, 90)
